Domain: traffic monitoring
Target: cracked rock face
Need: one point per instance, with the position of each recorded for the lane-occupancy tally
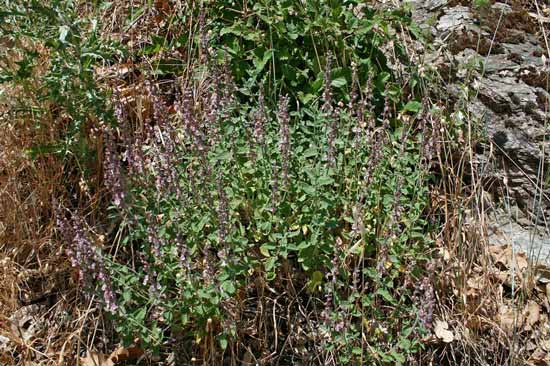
(453, 19)
(497, 51)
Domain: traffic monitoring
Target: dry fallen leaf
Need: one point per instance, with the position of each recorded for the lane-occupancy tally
(509, 318)
(531, 314)
(96, 359)
(442, 331)
(123, 354)
(476, 283)
(539, 357)
(503, 255)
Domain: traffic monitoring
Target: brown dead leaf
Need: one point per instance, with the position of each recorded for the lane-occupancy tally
(542, 273)
(474, 322)
(96, 359)
(123, 354)
(503, 255)
(539, 357)
(508, 319)
(442, 331)
(476, 283)
(499, 276)
(531, 314)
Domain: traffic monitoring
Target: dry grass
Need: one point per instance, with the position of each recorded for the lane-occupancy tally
(41, 312)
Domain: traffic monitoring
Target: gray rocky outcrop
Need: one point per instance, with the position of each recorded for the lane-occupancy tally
(497, 52)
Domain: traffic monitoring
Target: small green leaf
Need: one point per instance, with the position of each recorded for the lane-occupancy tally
(412, 106)
(265, 251)
(311, 152)
(325, 181)
(229, 287)
(339, 82)
(315, 280)
(223, 342)
(386, 295)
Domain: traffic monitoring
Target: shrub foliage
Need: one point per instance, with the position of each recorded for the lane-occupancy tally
(283, 169)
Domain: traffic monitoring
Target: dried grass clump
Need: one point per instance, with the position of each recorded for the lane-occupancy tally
(42, 316)
(493, 302)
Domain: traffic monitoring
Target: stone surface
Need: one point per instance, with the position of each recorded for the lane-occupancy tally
(510, 83)
(454, 19)
(534, 242)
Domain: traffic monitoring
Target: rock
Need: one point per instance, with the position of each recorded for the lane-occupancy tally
(506, 231)
(501, 7)
(510, 78)
(507, 94)
(454, 19)
(432, 5)
(526, 54)
(26, 322)
(498, 63)
(423, 10)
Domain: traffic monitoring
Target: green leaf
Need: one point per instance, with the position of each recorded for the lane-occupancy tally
(229, 287)
(127, 295)
(260, 63)
(398, 357)
(339, 82)
(197, 228)
(223, 342)
(308, 189)
(386, 295)
(311, 152)
(315, 280)
(412, 106)
(306, 98)
(265, 251)
(325, 180)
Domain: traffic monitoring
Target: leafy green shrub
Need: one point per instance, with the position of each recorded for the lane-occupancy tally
(321, 183)
(53, 38)
(282, 46)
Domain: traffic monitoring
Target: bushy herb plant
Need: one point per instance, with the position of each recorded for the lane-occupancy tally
(290, 159)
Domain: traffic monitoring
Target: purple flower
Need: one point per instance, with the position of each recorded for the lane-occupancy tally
(163, 144)
(368, 108)
(155, 241)
(223, 212)
(203, 36)
(327, 93)
(425, 298)
(229, 89)
(354, 94)
(151, 277)
(284, 138)
(386, 114)
(112, 173)
(397, 209)
(84, 256)
(274, 188)
(374, 158)
(260, 120)
(185, 113)
(183, 253)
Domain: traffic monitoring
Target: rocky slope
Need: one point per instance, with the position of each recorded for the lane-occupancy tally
(498, 51)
